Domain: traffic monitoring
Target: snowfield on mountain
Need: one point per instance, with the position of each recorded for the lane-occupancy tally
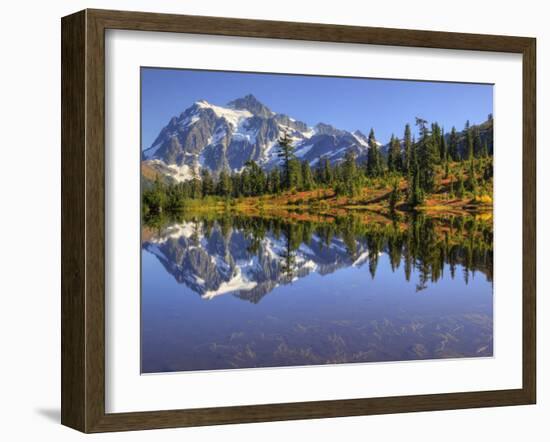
(225, 138)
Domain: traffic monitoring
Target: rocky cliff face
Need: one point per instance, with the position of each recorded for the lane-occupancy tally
(218, 138)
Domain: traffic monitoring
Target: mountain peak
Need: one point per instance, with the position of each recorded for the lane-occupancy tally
(252, 104)
(326, 129)
(202, 103)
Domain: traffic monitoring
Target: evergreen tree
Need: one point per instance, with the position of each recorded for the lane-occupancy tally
(472, 181)
(154, 199)
(390, 155)
(428, 157)
(325, 173)
(337, 173)
(394, 195)
(453, 146)
(350, 177)
(469, 141)
(444, 153)
(246, 183)
(395, 163)
(451, 186)
(255, 178)
(236, 185)
(408, 154)
(488, 169)
(419, 163)
(295, 174)
(319, 171)
(414, 155)
(443, 149)
(196, 186)
(174, 198)
(430, 163)
(436, 141)
(286, 153)
(477, 145)
(207, 182)
(274, 181)
(422, 128)
(223, 187)
(374, 160)
(485, 150)
(416, 195)
(307, 176)
(460, 190)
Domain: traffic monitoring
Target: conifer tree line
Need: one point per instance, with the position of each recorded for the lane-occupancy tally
(464, 160)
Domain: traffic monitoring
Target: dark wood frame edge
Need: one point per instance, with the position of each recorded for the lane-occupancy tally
(83, 215)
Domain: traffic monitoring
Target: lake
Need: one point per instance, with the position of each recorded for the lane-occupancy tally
(226, 291)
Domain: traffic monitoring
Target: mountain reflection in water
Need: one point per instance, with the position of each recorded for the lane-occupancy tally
(227, 291)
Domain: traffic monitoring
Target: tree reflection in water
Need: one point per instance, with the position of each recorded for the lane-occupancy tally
(339, 289)
(417, 242)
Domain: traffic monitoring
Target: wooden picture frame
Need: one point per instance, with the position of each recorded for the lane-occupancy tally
(83, 220)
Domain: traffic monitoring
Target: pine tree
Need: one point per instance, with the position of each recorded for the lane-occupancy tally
(485, 150)
(207, 182)
(394, 195)
(478, 146)
(286, 153)
(307, 176)
(175, 198)
(196, 187)
(460, 190)
(294, 174)
(349, 174)
(374, 161)
(436, 141)
(154, 199)
(443, 149)
(427, 157)
(416, 195)
(414, 155)
(422, 128)
(451, 186)
(246, 183)
(274, 181)
(444, 153)
(224, 184)
(453, 145)
(472, 181)
(432, 159)
(327, 173)
(236, 185)
(395, 163)
(488, 169)
(390, 155)
(254, 178)
(408, 154)
(469, 141)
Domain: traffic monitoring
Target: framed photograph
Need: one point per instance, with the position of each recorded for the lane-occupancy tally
(268, 220)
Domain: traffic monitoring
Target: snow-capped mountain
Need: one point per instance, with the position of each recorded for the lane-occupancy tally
(218, 138)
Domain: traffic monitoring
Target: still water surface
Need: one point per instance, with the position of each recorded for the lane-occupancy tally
(232, 292)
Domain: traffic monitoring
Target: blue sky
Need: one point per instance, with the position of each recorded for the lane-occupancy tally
(346, 103)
